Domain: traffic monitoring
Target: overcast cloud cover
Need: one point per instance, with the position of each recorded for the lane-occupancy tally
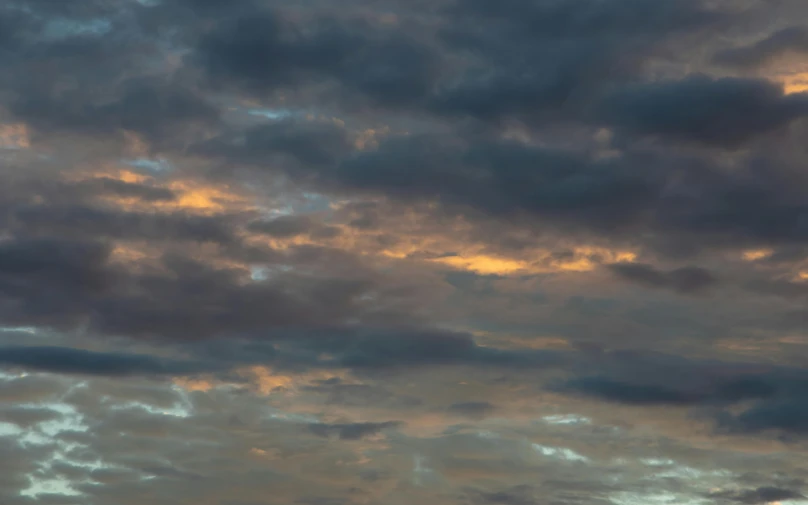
(473, 252)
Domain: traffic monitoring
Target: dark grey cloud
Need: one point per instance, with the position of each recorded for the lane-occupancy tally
(756, 203)
(518, 495)
(369, 349)
(78, 361)
(351, 431)
(310, 146)
(59, 264)
(15, 27)
(766, 399)
(110, 186)
(791, 39)
(679, 204)
(543, 61)
(410, 347)
(334, 392)
(783, 288)
(323, 501)
(263, 51)
(392, 70)
(726, 112)
(631, 393)
(648, 379)
(70, 283)
(67, 285)
(532, 60)
(285, 226)
(253, 52)
(474, 410)
(88, 9)
(160, 306)
(96, 222)
(765, 494)
(503, 179)
(686, 280)
(159, 111)
(293, 226)
(786, 416)
(591, 18)
(98, 73)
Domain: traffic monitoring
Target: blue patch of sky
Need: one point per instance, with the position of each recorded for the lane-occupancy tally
(273, 114)
(63, 28)
(150, 165)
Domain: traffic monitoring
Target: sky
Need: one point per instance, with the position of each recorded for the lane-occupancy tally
(450, 252)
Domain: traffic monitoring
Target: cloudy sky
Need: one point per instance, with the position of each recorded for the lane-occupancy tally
(391, 252)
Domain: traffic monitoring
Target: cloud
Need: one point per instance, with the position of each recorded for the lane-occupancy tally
(67, 283)
(635, 394)
(310, 145)
(500, 178)
(77, 361)
(125, 189)
(741, 399)
(764, 495)
(473, 410)
(158, 111)
(383, 252)
(292, 226)
(351, 431)
(519, 495)
(264, 51)
(546, 61)
(96, 222)
(63, 264)
(786, 416)
(783, 288)
(676, 204)
(686, 280)
(726, 112)
(790, 39)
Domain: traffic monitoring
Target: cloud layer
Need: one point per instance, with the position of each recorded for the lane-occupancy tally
(448, 251)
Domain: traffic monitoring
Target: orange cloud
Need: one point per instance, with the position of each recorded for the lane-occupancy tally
(446, 248)
(795, 83)
(543, 262)
(203, 385)
(266, 381)
(204, 197)
(757, 254)
(484, 265)
(14, 136)
(194, 196)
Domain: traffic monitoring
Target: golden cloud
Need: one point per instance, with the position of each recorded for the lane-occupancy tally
(756, 254)
(796, 83)
(582, 260)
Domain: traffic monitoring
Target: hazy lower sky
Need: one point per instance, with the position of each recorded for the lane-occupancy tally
(395, 252)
